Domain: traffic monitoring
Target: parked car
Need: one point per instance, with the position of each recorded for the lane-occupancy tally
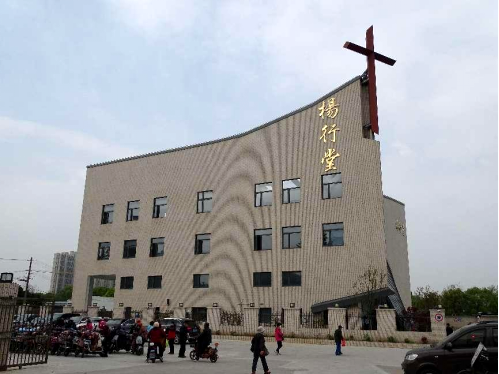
(193, 329)
(83, 322)
(64, 316)
(455, 352)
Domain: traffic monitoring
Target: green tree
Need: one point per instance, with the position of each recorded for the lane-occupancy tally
(109, 292)
(103, 291)
(64, 294)
(480, 300)
(425, 298)
(453, 300)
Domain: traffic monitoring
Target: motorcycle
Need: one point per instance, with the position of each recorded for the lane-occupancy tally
(138, 347)
(210, 353)
(479, 362)
(89, 343)
(118, 340)
(153, 353)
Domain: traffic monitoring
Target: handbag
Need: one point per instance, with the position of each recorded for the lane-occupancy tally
(266, 351)
(343, 342)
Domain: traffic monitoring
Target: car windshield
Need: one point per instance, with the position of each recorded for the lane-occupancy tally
(76, 319)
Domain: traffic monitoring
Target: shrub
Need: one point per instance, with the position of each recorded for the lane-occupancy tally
(330, 337)
(391, 339)
(367, 338)
(408, 341)
(424, 340)
(233, 333)
(351, 337)
(292, 335)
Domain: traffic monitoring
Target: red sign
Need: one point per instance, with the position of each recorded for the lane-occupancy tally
(439, 317)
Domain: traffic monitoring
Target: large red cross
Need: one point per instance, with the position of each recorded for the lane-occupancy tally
(371, 56)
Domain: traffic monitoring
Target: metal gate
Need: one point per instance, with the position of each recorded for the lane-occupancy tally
(25, 331)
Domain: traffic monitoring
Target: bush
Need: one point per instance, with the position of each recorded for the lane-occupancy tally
(233, 333)
(424, 340)
(330, 337)
(367, 338)
(408, 341)
(351, 337)
(217, 332)
(391, 339)
(292, 335)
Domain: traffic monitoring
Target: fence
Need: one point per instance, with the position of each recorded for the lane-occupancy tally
(313, 321)
(360, 321)
(415, 322)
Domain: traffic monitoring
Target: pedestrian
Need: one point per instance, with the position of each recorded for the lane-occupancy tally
(204, 340)
(171, 338)
(150, 327)
(338, 337)
(449, 330)
(279, 338)
(157, 336)
(105, 332)
(182, 338)
(259, 350)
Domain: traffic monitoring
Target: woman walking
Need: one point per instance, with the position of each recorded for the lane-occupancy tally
(279, 337)
(259, 350)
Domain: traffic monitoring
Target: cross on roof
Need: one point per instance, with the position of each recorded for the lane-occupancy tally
(371, 57)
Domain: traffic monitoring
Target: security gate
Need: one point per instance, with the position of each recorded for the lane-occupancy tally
(25, 332)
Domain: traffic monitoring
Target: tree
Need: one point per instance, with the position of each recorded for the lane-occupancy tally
(103, 291)
(453, 300)
(480, 300)
(425, 298)
(64, 294)
(366, 285)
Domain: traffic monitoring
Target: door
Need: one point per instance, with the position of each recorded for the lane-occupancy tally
(463, 348)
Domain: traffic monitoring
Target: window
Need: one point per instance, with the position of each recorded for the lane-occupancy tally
(126, 283)
(107, 214)
(201, 280)
(263, 239)
(199, 314)
(104, 251)
(332, 234)
(331, 186)
(291, 278)
(157, 247)
(133, 211)
(263, 279)
(264, 316)
(202, 244)
(291, 191)
(154, 281)
(159, 207)
(469, 340)
(263, 194)
(291, 237)
(205, 201)
(129, 248)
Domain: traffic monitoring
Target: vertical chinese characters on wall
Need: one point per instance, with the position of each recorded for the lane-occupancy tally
(328, 111)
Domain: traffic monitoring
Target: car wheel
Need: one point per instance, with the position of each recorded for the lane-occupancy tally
(76, 353)
(176, 340)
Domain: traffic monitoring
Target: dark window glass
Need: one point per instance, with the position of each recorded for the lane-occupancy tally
(263, 279)
(494, 338)
(104, 251)
(202, 244)
(469, 340)
(130, 248)
(133, 211)
(157, 247)
(331, 186)
(263, 194)
(154, 281)
(107, 214)
(205, 201)
(263, 239)
(159, 207)
(291, 278)
(201, 280)
(332, 234)
(126, 283)
(291, 237)
(291, 191)
(264, 316)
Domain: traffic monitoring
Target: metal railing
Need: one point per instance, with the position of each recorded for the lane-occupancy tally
(360, 321)
(314, 321)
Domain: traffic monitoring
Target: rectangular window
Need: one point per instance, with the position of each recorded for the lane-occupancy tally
(264, 316)
(202, 244)
(331, 186)
(291, 237)
(205, 201)
(133, 211)
(107, 214)
(104, 251)
(154, 281)
(157, 247)
(332, 234)
(201, 280)
(126, 283)
(291, 191)
(263, 239)
(263, 194)
(291, 278)
(263, 279)
(129, 249)
(469, 340)
(159, 209)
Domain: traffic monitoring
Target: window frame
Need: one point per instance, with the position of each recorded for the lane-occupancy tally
(152, 285)
(283, 234)
(103, 215)
(156, 214)
(196, 249)
(202, 200)
(289, 278)
(199, 281)
(287, 190)
(268, 313)
(324, 244)
(329, 184)
(255, 239)
(258, 275)
(99, 256)
(128, 209)
(123, 282)
(125, 248)
(151, 247)
(262, 193)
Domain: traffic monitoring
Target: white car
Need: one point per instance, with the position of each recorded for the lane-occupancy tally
(95, 322)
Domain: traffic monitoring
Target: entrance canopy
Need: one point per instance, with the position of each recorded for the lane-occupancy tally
(344, 302)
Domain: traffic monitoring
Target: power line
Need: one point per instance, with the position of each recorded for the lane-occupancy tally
(13, 259)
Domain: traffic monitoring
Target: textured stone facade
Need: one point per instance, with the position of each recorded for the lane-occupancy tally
(289, 147)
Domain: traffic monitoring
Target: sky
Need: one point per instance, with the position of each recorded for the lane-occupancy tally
(87, 82)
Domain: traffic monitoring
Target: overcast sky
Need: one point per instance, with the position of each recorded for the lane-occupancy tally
(88, 81)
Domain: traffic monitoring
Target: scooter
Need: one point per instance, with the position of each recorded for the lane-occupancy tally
(153, 353)
(479, 362)
(210, 353)
(85, 346)
(138, 349)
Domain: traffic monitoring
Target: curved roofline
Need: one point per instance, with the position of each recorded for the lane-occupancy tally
(233, 136)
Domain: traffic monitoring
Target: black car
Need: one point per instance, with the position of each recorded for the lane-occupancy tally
(455, 352)
(193, 329)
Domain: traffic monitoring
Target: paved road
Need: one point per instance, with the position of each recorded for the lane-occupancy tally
(235, 358)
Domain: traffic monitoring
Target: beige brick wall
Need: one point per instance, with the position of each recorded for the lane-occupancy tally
(288, 148)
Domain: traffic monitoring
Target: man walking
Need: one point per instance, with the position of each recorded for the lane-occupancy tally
(182, 338)
(259, 350)
(338, 337)
(449, 330)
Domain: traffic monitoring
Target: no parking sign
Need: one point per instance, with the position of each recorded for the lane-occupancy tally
(439, 317)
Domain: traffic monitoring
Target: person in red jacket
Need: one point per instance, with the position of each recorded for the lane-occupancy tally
(279, 337)
(171, 338)
(157, 336)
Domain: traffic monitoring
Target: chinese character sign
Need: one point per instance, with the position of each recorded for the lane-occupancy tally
(329, 109)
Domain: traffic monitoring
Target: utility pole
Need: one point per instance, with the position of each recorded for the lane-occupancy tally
(27, 280)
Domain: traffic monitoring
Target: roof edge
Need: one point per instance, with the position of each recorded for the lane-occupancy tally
(395, 200)
(232, 136)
